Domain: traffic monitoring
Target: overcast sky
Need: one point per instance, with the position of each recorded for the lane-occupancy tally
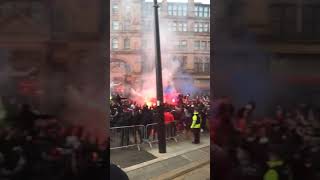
(201, 1)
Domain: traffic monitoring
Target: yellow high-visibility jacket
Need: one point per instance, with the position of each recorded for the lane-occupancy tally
(194, 124)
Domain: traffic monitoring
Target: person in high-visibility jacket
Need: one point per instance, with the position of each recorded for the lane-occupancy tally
(196, 126)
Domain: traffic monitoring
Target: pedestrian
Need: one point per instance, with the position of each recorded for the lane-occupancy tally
(187, 120)
(241, 120)
(196, 126)
(277, 168)
(169, 123)
(203, 115)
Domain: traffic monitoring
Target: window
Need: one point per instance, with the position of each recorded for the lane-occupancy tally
(201, 10)
(170, 10)
(203, 44)
(311, 21)
(206, 12)
(147, 9)
(177, 9)
(202, 65)
(177, 26)
(201, 27)
(196, 10)
(206, 65)
(126, 25)
(185, 27)
(197, 64)
(206, 27)
(185, 10)
(196, 27)
(196, 44)
(174, 10)
(126, 43)
(115, 25)
(180, 25)
(283, 20)
(115, 8)
(182, 44)
(174, 26)
(115, 43)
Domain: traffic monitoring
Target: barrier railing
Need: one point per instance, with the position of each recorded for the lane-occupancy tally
(171, 131)
(126, 136)
(151, 133)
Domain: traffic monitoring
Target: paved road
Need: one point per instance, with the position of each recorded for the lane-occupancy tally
(202, 173)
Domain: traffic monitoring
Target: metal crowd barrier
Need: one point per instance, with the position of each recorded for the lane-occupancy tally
(126, 136)
(151, 133)
(171, 131)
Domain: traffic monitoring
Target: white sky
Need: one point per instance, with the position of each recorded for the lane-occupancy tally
(200, 1)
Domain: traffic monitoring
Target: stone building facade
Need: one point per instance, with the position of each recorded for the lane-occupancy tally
(132, 44)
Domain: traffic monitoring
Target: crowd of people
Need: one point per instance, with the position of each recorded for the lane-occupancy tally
(38, 147)
(127, 112)
(283, 147)
(178, 114)
(244, 146)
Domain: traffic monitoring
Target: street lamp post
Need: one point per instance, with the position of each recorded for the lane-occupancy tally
(161, 126)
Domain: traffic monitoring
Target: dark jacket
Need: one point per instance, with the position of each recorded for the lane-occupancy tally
(146, 117)
(117, 174)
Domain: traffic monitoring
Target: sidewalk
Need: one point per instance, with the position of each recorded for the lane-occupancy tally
(202, 173)
(181, 157)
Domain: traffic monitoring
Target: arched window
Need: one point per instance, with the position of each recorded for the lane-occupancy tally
(127, 43)
(115, 43)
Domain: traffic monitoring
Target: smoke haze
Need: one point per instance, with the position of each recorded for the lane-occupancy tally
(170, 68)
